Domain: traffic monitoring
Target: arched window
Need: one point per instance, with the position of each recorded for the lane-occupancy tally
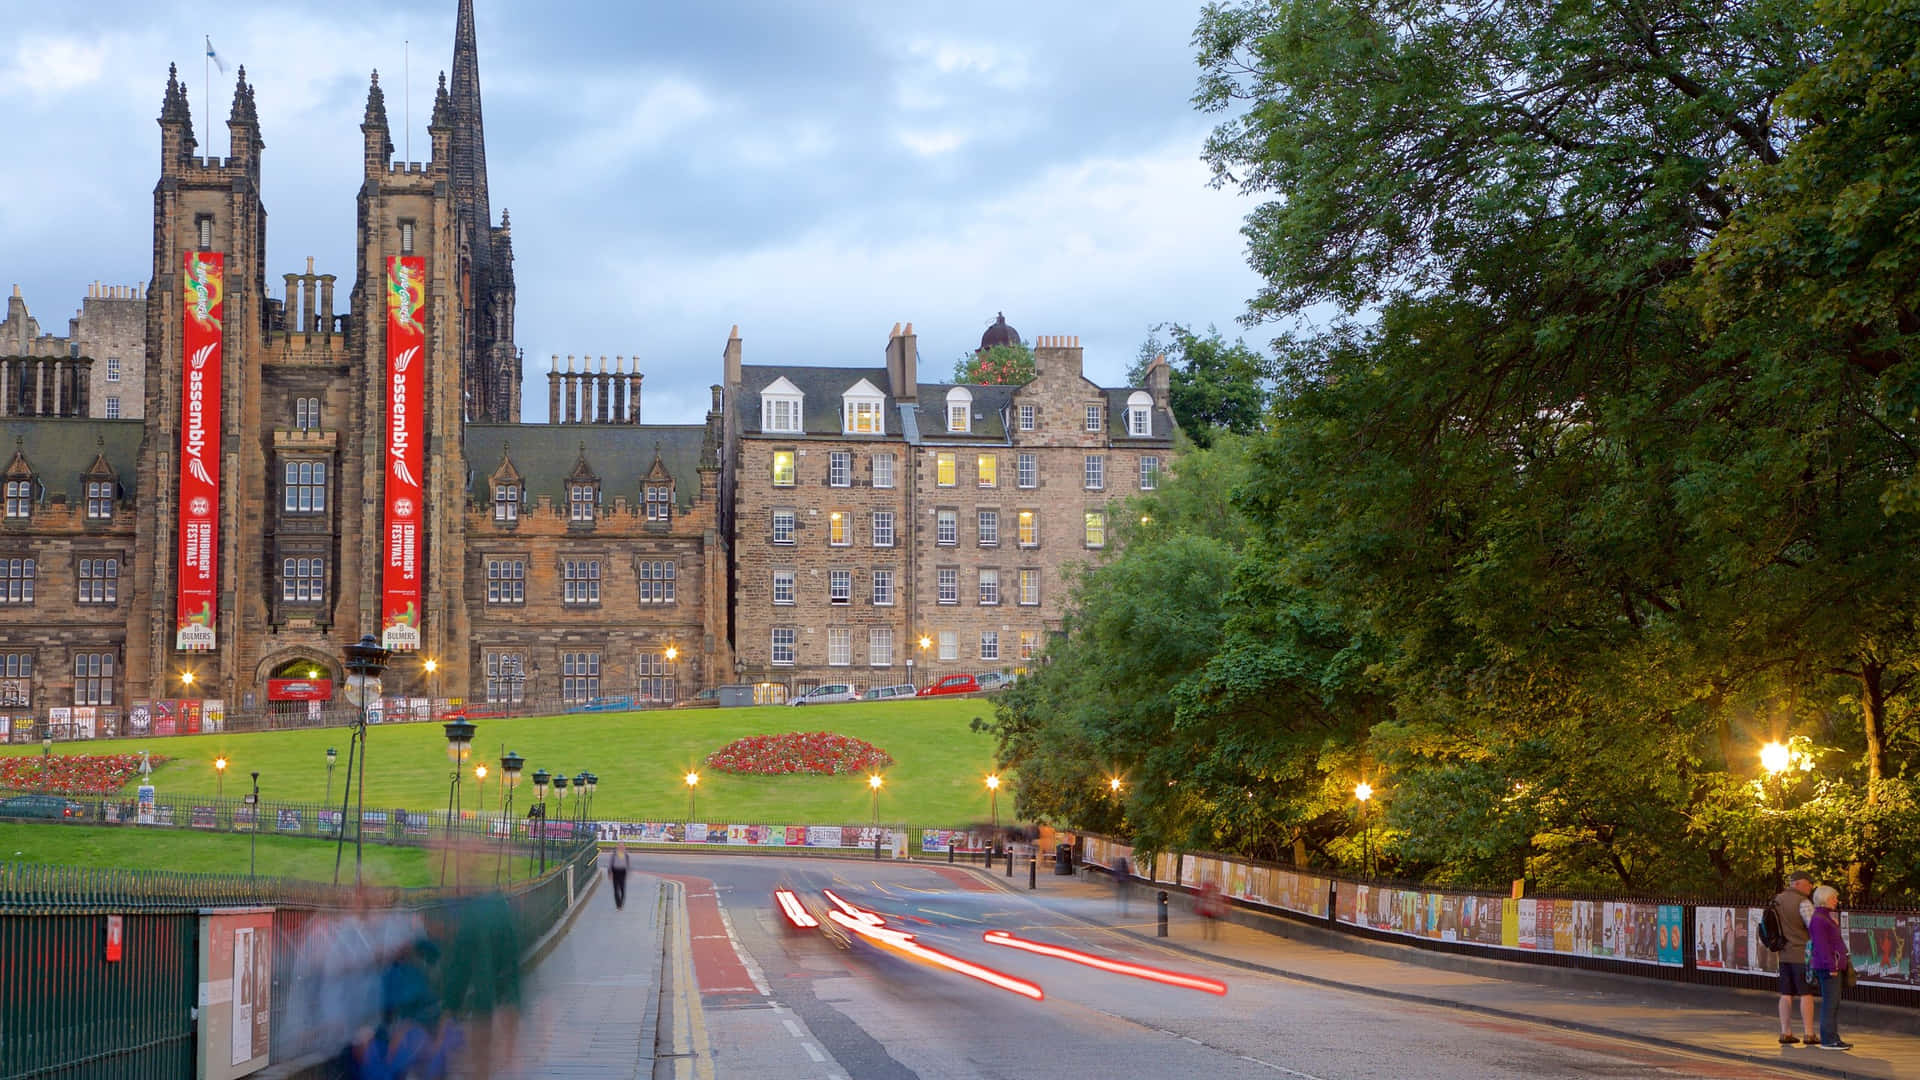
(1139, 413)
(959, 409)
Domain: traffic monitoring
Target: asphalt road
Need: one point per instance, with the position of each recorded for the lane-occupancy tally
(783, 1002)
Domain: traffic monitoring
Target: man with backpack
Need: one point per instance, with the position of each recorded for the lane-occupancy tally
(1783, 929)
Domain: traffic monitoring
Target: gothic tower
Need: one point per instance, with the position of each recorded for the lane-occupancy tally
(489, 363)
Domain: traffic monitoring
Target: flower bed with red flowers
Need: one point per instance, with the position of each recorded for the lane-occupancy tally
(820, 753)
(72, 774)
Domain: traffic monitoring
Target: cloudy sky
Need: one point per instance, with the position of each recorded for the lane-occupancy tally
(814, 172)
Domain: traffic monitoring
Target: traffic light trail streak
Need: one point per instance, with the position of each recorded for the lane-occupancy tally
(874, 929)
(1118, 967)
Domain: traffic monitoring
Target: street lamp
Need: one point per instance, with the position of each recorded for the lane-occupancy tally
(365, 661)
(593, 783)
(693, 802)
(332, 756)
(993, 799)
(510, 766)
(1113, 784)
(459, 745)
(579, 797)
(560, 783)
(873, 786)
(46, 757)
(220, 776)
(1775, 758)
(540, 779)
(429, 666)
(253, 834)
(1363, 791)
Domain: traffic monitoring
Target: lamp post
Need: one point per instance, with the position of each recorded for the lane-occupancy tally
(579, 798)
(253, 834)
(510, 766)
(365, 661)
(220, 776)
(1775, 758)
(560, 783)
(922, 643)
(332, 756)
(873, 788)
(593, 784)
(693, 802)
(993, 799)
(46, 757)
(1363, 791)
(540, 780)
(459, 745)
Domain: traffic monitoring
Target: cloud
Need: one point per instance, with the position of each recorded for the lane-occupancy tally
(46, 66)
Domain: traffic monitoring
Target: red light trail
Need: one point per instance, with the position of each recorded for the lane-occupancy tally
(1118, 967)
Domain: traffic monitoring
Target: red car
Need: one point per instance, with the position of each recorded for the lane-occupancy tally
(952, 684)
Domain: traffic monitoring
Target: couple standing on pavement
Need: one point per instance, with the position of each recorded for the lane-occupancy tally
(1813, 962)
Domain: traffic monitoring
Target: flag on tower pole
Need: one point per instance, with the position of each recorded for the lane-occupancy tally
(215, 57)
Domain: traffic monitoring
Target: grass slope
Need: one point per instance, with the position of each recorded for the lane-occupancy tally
(131, 848)
(640, 759)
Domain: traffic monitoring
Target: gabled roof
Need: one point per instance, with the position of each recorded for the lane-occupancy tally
(620, 456)
(990, 404)
(821, 387)
(64, 450)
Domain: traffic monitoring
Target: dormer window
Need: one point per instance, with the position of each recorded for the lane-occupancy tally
(506, 502)
(862, 409)
(581, 500)
(99, 500)
(780, 407)
(19, 499)
(1139, 414)
(659, 502)
(959, 409)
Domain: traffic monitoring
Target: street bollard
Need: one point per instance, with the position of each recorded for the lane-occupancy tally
(949, 853)
(876, 847)
(1033, 870)
(1163, 913)
(1009, 860)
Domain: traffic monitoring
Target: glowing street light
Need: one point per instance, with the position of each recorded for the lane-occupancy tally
(220, 772)
(693, 784)
(1363, 791)
(1113, 784)
(873, 786)
(1775, 757)
(993, 798)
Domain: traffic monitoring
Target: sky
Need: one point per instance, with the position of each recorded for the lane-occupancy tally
(813, 172)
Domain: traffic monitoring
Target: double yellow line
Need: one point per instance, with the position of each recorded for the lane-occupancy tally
(687, 1046)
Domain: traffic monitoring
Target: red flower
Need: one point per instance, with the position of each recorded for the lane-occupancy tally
(819, 753)
(72, 774)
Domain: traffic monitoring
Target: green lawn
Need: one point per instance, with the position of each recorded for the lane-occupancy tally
(131, 848)
(640, 759)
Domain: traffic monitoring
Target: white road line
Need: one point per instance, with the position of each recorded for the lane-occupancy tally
(746, 958)
(814, 1052)
(794, 1028)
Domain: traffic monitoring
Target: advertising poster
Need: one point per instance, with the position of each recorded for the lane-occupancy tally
(772, 836)
(934, 841)
(327, 822)
(1510, 922)
(60, 720)
(202, 287)
(213, 715)
(823, 835)
(405, 456)
(1542, 925)
(1712, 937)
(1878, 946)
(165, 718)
(287, 820)
(190, 717)
(6, 728)
(84, 719)
(139, 719)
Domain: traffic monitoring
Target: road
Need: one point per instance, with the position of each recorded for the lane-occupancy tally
(776, 1001)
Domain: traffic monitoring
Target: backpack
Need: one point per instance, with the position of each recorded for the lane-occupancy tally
(1772, 934)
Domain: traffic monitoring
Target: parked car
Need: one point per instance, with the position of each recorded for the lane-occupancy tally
(41, 806)
(952, 684)
(705, 699)
(888, 693)
(831, 693)
(605, 704)
(994, 680)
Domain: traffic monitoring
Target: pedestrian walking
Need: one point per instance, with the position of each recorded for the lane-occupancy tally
(1122, 871)
(1210, 906)
(1792, 908)
(1830, 963)
(617, 867)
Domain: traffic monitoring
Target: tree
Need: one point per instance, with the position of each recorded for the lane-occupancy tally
(1001, 365)
(1212, 385)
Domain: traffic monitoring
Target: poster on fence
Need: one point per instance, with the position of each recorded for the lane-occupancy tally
(213, 715)
(139, 719)
(6, 728)
(60, 721)
(286, 820)
(327, 822)
(165, 717)
(110, 727)
(204, 817)
(84, 719)
(235, 999)
(190, 715)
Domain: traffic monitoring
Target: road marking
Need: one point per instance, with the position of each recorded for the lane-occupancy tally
(813, 1052)
(746, 959)
(793, 1029)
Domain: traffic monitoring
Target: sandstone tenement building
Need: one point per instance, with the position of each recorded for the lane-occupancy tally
(289, 471)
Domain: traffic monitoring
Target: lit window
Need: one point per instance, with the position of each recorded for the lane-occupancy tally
(989, 528)
(579, 677)
(840, 469)
(783, 468)
(865, 418)
(99, 499)
(783, 637)
(113, 369)
(1093, 417)
(949, 645)
(1028, 468)
(659, 502)
(506, 581)
(16, 581)
(989, 587)
(303, 580)
(947, 528)
(989, 644)
(783, 526)
(580, 500)
(1096, 472)
(988, 468)
(1149, 473)
(19, 498)
(883, 588)
(944, 470)
(880, 647)
(839, 647)
(1096, 528)
(1029, 527)
(93, 678)
(506, 502)
(840, 586)
(1029, 587)
(1029, 417)
(947, 581)
(783, 587)
(1029, 641)
(306, 487)
(837, 529)
(99, 581)
(580, 581)
(883, 528)
(657, 581)
(959, 409)
(883, 470)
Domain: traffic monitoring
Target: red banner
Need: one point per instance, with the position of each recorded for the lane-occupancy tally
(299, 689)
(406, 460)
(201, 292)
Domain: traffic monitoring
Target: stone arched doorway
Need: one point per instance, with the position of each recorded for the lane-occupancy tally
(299, 684)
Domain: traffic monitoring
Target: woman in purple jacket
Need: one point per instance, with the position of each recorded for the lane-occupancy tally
(1829, 958)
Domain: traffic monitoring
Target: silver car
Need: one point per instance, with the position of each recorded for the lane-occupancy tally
(888, 693)
(831, 693)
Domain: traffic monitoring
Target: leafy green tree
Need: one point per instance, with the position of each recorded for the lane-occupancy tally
(1010, 365)
(1213, 385)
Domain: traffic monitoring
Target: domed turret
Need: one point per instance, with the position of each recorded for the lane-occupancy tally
(999, 334)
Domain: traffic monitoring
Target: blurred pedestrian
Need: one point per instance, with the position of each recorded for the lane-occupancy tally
(1122, 872)
(1211, 906)
(617, 866)
(1793, 908)
(1829, 961)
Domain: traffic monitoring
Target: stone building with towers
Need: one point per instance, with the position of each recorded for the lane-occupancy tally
(307, 457)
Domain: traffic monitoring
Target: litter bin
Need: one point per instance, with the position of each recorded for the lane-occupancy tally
(1063, 860)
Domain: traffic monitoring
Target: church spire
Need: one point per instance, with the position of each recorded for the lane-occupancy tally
(469, 149)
